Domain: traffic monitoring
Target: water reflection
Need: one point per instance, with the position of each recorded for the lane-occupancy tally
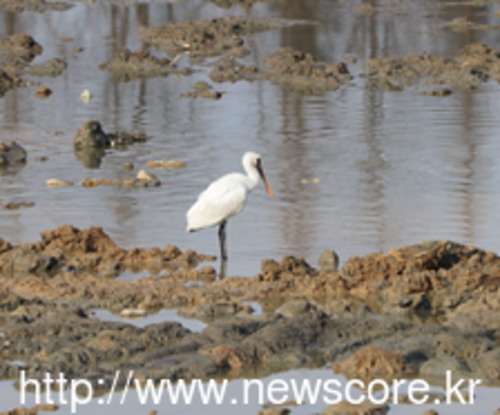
(393, 168)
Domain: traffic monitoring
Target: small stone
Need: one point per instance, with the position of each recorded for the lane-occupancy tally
(86, 96)
(146, 176)
(128, 182)
(430, 412)
(173, 164)
(133, 313)
(66, 39)
(41, 158)
(90, 182)
(58, 183)
(155, 164)
(77, 49)
(47, 407)
(106, 182)
(329, 260)
(43, 92)
(128, 165)
(15, 206)
(117, 182)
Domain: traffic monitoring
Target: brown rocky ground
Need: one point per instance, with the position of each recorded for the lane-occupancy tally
(49, 287)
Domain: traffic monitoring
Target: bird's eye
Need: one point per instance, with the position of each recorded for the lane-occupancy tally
(257, 162)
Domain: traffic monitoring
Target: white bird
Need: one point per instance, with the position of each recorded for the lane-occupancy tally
(225, 198)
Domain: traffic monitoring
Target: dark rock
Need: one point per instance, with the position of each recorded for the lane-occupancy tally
(11, 154)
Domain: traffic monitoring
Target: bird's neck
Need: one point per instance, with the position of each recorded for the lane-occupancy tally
(252, 176)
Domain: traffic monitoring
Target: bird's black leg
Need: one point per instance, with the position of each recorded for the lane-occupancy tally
(222, 239)
(223, 258)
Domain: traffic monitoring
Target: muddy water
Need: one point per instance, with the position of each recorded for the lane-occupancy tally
(393, 168)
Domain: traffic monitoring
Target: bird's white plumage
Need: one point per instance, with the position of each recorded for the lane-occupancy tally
(222, 200)
(225, 197)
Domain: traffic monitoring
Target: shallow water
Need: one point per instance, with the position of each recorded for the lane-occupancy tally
(160, 317)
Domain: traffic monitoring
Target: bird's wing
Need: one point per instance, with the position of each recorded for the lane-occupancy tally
(220, 201)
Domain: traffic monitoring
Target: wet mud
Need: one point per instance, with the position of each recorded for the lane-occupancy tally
(438, 302)
(204, 37)
(470, 68)
(38, 6)
(16, 53)
(126, 65)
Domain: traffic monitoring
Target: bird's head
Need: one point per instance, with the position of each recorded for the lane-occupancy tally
(254, 160)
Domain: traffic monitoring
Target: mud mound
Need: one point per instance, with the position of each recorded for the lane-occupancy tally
(17, 52)
(126, 65)
(39, 6)
(303, 74)
(209, 37)
(228, 69)
(473, 66)
(73, 242)
(53, 67)
(90, 250)
(91, 135)
(22, 45)
(6, 82)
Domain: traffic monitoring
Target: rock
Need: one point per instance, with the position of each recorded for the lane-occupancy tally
(431, 411)
(105, 182)
(225, 358)
(295, 308)
(58, 183)
(85, 96)
(43, 92)
(146, 176)
(274, 411)
(15, 206)
(437, 367)
(11, 154)
(90, 182)
(373, 362)
(329, 260)
(133, 313)
(347, 408)
(90, 134)
(166, 164)
(47, 407)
